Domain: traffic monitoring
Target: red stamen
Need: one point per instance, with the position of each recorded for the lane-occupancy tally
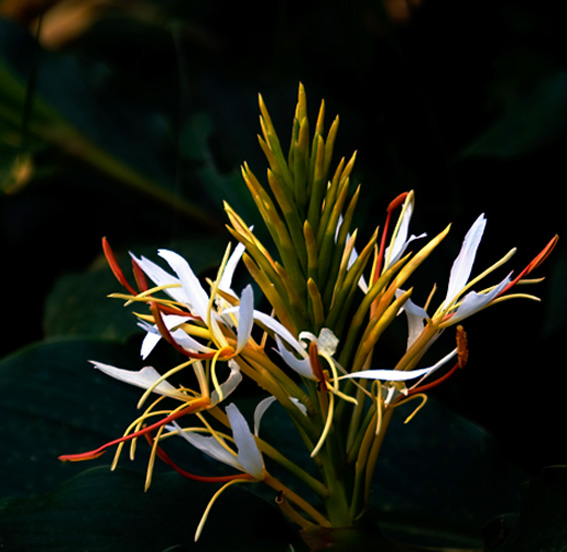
(166, 334)
(101, 450)
(462, 357)
(535, 263)
(428, 386)
(316, 366)
(115, 267)
(207, 479)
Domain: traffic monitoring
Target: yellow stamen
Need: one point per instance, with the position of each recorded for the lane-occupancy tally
(212, 501)
(162, 378)
(327, 428)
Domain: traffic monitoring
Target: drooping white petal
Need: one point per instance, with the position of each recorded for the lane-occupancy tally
(181, 338)
(143, 378)
(197, 296)
(416, 317)
(259, 412)
(301, 366)
(245, 317)
(388, 375)
(209, 445)
(152, 333)
(264, 404)
(461, 269)
(249, 456)
(234, 378)
(473, 302)
(398, 375)
(280, 330)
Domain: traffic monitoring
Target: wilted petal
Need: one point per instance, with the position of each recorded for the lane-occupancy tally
(461, 269)
(143, 378)
(249, 456)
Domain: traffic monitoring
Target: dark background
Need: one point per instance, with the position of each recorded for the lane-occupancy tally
(464, 102)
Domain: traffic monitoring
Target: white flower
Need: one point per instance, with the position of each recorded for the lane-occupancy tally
(186, 289)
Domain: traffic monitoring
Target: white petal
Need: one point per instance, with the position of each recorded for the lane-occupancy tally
(143, 378)
(264, 404)
(249, 456)
(160, 278)
(398, 375)
(259, 412)
(389, 375)
(234, 378)
(225, 282)
(400, 249)
(301, 366)
(197, 296)
(245, 317)
(461, 269)
(473, 301)
(416, 317)
(209, 445)
(152, 333)
(279, 329)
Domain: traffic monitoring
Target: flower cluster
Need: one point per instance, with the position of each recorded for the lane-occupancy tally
(314, 351)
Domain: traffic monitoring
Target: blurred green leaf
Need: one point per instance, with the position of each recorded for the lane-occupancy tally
(54, 402)
(530, 122)
(101, 511)
(103, 132)
(540, 524)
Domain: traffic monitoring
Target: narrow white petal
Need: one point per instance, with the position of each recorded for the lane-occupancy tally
(279, 329)
(400, 249)
(249, 456)
(197, 296)
(389, 375)
(473, 302)
(225, 283)
(416, 317)
(245, 317)
(264, 404)
(143, 378)
(259, 412)
(209, 445)
(461, 269)
(301, 366)
(231, 383)
(152, 333)
(149, 342)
